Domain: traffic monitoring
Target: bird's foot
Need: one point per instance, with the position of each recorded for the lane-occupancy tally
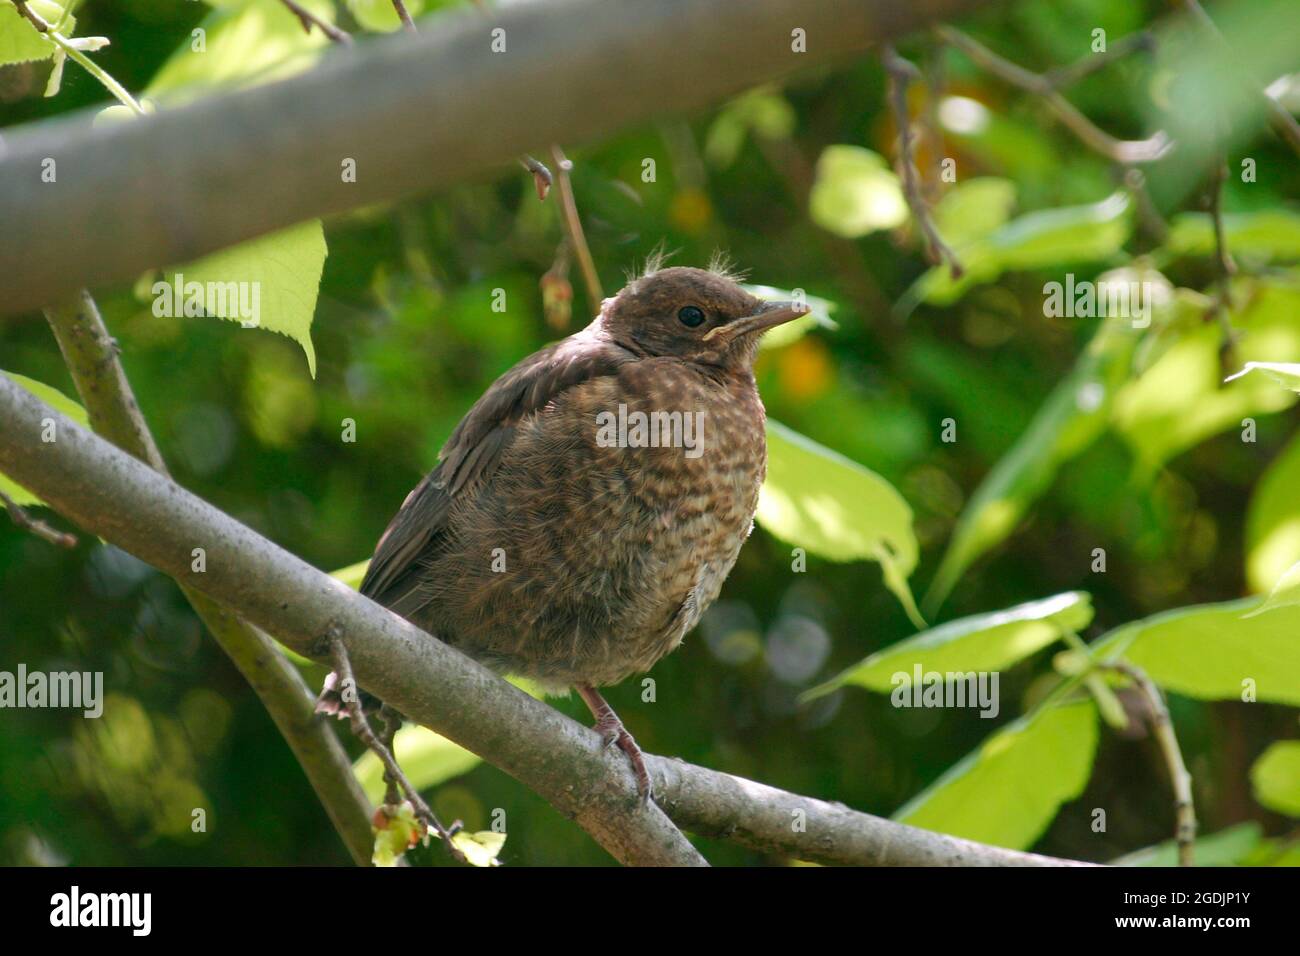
(612, 732)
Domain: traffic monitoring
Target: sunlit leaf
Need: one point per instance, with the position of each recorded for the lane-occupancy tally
(981, 642)
(20, 41)
(763, 112)
(353, 574)
(974, 208)
(1181, 399)
(481, 848)
(394, 835)
(1037, 240)
(1275, 777)
(1068, 422)
(1273, 520)
(855, 193)
(278, 275)
(1228, 847)
(247, 43)
(832, 507)
(426, 758)
(380, 15)
(1286, 593)
(57, 400)
(1008, 790)
(1214, 652)
(1286, 374)
(1265, 234)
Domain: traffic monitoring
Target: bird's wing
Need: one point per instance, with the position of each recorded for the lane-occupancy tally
(472, 453)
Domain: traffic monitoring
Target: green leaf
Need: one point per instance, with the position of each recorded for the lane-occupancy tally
(395, 836)
(763, 112)
(981, 642)
(249, 43)
(974, 208)
(60, 402)
(819, 315)
(1072, 417)
(1008, 790)
(855, 193)
(818, 500)
(1042, 239)
(426, 758)
(281, 272)
(353, 574)
(1286, 374)
(1286, 593)
(1273, 521)
(380, 15)
(1213, 652)
(481, 848)
(20, 41)
(246, 44)
(1267, 234)
(1228, 847)
(1180, 400)
(1275, 777)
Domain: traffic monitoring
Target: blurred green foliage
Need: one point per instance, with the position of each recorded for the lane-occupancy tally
(1091, 435)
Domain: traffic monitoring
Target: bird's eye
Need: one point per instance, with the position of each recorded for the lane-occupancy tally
(690, 316)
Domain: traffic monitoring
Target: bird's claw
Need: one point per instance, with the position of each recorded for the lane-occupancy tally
(612, 732)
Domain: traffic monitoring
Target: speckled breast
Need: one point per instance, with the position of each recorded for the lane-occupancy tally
(620, 510)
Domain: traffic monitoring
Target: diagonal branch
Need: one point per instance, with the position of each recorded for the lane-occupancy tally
(1125, 152)
(91, 357)
(116, 496)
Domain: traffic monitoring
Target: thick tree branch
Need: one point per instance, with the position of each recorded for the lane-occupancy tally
(91, 357)
(415, 111)
(116, 496)
(764, 818)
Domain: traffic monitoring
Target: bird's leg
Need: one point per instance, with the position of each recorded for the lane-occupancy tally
(392, 722)
(612, 730)
(347, 685)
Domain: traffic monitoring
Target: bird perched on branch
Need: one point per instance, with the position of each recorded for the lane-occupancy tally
(586, 511)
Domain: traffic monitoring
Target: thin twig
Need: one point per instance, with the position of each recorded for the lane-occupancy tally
(350, 694)
(900, 72)
(403, 15)
(19, 516)
(37, 20)
(1163, 729)
(73, 53)
(1064, 76)
(309, 20)
(542, 177)
(573, 226)
(1125, 152)
(1135, 182)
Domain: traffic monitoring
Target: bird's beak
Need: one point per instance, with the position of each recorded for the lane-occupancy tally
(772, 314)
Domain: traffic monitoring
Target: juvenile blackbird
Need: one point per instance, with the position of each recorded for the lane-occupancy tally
(555, 543)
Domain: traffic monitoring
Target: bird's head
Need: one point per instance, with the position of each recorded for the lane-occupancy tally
(694, 314)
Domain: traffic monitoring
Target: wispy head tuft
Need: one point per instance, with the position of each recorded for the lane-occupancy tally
(721, 264)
